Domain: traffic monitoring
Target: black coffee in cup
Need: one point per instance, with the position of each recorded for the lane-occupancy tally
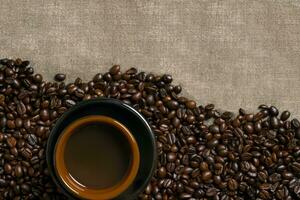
(97, 155)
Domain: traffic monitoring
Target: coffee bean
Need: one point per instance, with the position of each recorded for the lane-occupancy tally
(232, 184)
(69, 103)
(185, 196)
(26, 153)
(172, 104)
(297, 133)
(19, 123)
(162, 172)
(2, 183)
(25, 188)
(214, 129)
(9, 72)
(37, 78)
(114, 70)
(258, 126)
(18, 171)
(11, 141)
(274, 122)
(11, 124)
(203, 166)
(7, 168)
(136, 97)
(206, 176)
(14, 151)
(177, 89)
(246, 156)
(211, 192)
(296, 167)
(32, 139)
(285, 115)
(295, 123)
(171, 157)
(21, 109)
(60, 77)
(191, 104)
(3, 122)
(213, 142)
(273, 111)
(44, 114)
(227, 115)
(249, 128)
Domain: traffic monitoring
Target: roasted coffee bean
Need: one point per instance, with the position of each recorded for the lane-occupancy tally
(162, 172)
(11, 124)
(2, 183)
(206, 176)
(274, 122)
(273, 111)
(32, 139)
(232, 184)
(203, 166)
(297, 133)
(249, 128)
(173, 105)
(18, 171)
(211, 192)
(19, 123)
(191, 104)
(114, 70)
(285, 115)
(44, 115)
(25, 188)
(37, 78)
(21, 109)
(295, 123)
(246, 156)
(26, 153)
(11, 141)
(7, 168)
(69, 103)
(60, 77)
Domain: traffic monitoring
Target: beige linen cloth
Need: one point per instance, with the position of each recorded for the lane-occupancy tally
(231, 53)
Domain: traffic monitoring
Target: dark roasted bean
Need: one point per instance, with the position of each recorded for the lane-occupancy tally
(60, 77)
(172, 104)
(285, 115)
(114, 70)
(295, 123)
(206, 176)
(18, 171)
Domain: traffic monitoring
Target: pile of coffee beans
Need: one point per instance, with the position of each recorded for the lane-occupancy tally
(202, 153)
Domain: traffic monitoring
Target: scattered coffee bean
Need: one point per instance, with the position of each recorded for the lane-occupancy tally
(60, 77)
(285, 115)
(114, 70)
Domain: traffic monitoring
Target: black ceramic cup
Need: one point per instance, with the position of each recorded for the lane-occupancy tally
(133, 125)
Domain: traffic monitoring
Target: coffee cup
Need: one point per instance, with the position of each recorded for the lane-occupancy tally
(101, 149)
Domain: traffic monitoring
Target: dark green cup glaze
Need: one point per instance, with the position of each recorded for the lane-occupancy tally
(129, 117)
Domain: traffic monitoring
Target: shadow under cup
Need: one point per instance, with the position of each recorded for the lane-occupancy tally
(97, 157)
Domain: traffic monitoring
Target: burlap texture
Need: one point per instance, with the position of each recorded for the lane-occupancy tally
(231, 53)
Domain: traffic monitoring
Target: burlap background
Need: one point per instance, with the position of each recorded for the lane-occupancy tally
(231, 53)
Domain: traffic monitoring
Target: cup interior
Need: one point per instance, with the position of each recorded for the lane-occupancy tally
(81, 189)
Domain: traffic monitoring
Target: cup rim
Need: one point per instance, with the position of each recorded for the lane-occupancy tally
(102, 106)
(77, 188)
